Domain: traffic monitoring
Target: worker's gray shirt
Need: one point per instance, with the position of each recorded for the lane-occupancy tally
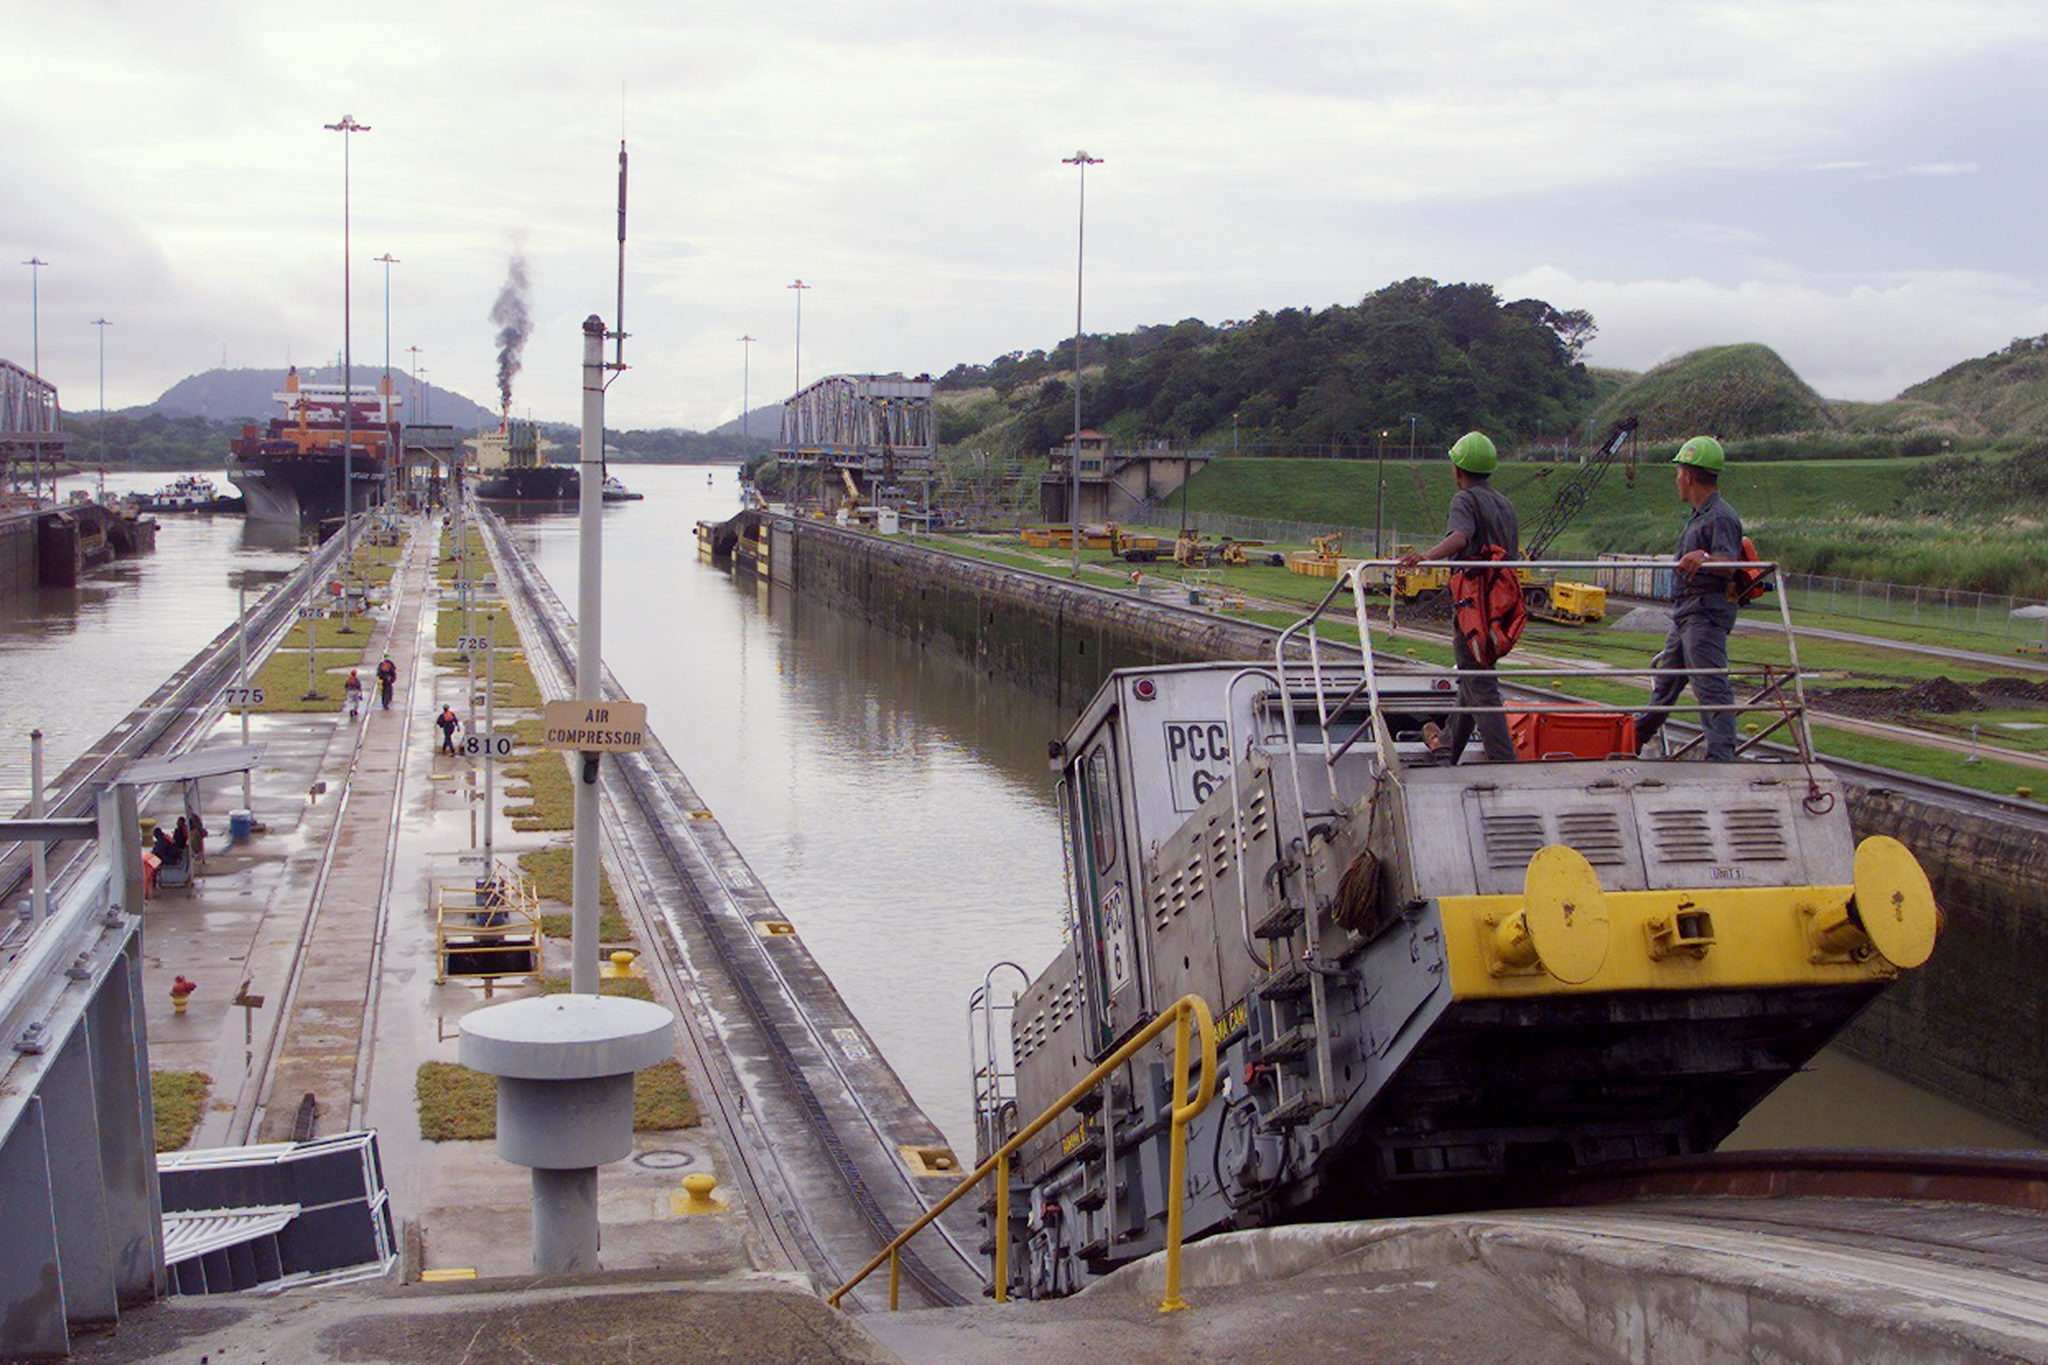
(1485, 518)
(1715, 528)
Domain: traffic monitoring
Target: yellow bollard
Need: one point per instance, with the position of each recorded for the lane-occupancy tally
(696, 1196)
(621, 967)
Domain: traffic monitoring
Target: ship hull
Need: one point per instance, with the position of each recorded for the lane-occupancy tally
(302, 488)
(541, 484)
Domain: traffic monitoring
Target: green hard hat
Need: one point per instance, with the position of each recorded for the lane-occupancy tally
(1702, 452)
(1475, 454)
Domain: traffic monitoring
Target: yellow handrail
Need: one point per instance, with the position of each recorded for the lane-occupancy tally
(1175, 1016)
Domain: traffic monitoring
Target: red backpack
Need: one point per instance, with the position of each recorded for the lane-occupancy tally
(1487, 609)
(1747, 585)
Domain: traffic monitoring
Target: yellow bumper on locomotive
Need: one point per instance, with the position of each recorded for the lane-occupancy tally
(1565, 934)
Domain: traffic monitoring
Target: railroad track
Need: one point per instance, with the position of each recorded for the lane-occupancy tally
(183, 708)
(734, 944)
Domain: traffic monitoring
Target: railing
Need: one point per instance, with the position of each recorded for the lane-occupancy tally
(1302, 639)
(1178, 1016)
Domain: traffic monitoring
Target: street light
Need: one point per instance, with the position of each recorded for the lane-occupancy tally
(35, 266)
(1379, 509)
(346, 126)
(746, 357)
(799, 286)
(103, 324)
(384, 395)
(416, 382)
(1083, 161)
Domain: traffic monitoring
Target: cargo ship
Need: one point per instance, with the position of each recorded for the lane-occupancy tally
(511, 467)
(295, 470)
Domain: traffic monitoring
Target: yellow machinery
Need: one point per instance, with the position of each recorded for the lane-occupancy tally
(1133, 549)
(488, 929)
(1568, 602)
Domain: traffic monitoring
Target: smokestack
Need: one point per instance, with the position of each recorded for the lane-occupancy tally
(514, 324)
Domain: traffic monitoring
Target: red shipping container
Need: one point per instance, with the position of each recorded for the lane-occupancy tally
(1571, 732)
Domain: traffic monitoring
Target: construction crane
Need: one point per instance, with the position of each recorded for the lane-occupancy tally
(1560, 600)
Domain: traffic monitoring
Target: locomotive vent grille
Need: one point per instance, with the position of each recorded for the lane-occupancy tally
(1756, 832)
(1030, 1037)
(1063, 1004)
(1596, 834)
(1512, 839)
(1256, 815)
(1682, 836)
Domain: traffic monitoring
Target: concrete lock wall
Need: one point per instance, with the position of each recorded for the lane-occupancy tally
(1971, 1024)
(18, 573)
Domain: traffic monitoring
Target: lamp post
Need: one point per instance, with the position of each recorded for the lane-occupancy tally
(799, 286)
(746, 357)
(346, 126)
(1082, 161)
(35, 266)
(103, 324)
(1379, 509)
(415, 352)
(387, 260)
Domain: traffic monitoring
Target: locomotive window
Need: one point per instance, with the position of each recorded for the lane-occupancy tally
(1101, 809)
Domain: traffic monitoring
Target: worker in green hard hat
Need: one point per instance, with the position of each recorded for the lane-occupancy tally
(1702, 611)
(1480, 519)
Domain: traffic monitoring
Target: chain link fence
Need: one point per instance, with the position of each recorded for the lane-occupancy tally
(1993, 615)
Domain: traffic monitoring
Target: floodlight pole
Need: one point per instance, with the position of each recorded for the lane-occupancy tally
(746, 360)
(345, 127)
(1083, 161)
(103, 325)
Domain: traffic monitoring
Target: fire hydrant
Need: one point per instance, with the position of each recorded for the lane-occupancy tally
(181, 990)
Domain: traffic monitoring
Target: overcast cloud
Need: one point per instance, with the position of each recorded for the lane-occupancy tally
(1854, 184)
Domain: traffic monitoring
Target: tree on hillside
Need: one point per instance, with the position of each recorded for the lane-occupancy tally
(1297, 380)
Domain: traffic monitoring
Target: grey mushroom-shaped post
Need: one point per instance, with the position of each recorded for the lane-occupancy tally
(565, 1067)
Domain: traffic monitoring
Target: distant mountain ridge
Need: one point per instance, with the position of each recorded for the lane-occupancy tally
(247, 396)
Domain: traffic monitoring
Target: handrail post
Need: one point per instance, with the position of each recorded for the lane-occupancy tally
(1177, 1161)
(895, 1276)
(1002, 1228)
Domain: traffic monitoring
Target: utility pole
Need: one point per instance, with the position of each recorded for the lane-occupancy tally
(799, 286)
(746, 359)
(103, 325)
(35, 266)
(1083, 161)
(345, 127)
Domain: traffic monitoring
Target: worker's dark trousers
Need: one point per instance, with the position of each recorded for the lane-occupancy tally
(1698, 639)
(1492, 725)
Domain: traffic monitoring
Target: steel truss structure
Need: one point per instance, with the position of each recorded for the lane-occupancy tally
(877, 425)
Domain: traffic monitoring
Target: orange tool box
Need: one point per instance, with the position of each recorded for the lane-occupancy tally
(1571, 732)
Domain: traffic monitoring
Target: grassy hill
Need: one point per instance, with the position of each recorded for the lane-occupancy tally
(1726, 391)
(2003, 395)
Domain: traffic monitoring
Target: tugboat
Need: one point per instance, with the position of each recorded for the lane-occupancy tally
(614, 491)
(294, 471)
(1423, 985)
(190, 493)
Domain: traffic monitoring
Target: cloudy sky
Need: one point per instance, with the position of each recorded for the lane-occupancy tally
(1856, 184)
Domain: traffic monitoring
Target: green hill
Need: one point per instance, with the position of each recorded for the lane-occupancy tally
(2002, 395)
(1725, 391)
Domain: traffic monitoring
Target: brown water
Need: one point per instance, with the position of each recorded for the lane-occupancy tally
(75, 661)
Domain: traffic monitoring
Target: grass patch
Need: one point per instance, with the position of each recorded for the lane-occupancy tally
(178, 1097)
(626, 987)
(460, 1105)
(479, 558)
(611, 927)
(283, 679)
(550, 869)
(516, 685)
(538, 779)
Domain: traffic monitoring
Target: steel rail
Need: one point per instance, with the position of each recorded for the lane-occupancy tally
(640, 783)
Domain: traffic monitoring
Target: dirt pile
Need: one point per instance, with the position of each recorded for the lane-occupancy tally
(1936, 696)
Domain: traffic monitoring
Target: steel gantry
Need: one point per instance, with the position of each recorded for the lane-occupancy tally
(31, 424)
(879, 426)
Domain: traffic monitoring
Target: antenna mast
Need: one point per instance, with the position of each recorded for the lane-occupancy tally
(619, 317)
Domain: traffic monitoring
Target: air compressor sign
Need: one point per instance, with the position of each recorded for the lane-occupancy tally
(1197, 760)
(601, 727)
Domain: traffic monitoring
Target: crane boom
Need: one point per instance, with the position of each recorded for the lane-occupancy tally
(1577, 490)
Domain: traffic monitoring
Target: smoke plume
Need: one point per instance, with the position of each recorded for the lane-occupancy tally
(514, 325)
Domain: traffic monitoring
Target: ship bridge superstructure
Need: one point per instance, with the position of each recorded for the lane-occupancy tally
(876, 427)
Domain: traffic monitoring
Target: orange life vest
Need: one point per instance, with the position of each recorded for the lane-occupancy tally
(1487, 609)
